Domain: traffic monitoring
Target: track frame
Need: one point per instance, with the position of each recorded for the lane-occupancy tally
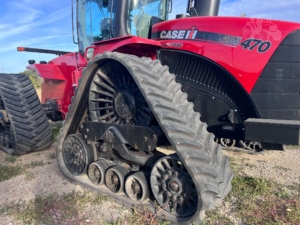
(201, 156)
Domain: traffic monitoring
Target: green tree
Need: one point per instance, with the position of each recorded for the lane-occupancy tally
(34, 77)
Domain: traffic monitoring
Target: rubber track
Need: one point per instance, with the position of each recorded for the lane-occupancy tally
(27, 117)
(202, 157)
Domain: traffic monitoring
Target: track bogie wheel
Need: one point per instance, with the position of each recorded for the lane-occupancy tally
(77, 154)
(96, 171)
(136, 187)
(115, 178)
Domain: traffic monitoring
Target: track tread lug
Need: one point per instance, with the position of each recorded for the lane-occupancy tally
(27, 118)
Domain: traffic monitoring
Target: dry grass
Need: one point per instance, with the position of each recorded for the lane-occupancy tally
(39, 92)
(8, 171)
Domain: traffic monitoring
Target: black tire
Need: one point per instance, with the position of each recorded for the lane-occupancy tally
(27, 118)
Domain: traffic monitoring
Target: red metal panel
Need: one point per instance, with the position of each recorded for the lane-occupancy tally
(129, 44)
(57, 79)
(245, 65)
(49, 71)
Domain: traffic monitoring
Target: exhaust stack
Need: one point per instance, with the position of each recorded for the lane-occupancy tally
(204, 7)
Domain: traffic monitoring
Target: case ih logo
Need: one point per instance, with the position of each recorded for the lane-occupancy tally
(179, 34)
(196, 35)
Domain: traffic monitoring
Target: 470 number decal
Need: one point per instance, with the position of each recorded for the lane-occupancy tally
(260, 45)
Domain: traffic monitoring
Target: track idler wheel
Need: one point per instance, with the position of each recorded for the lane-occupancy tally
(96, 171)
(136, 187)
(77, 154)
(173, 187)
(115, 178)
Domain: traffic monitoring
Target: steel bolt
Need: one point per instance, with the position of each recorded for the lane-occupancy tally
(169, 173)
(145, 138)
(169, 194)
(164, 186)
(180, 199)
(154, 136)
(85, 136)
(174, 198)
(81, 126)
(87, 130)
(175, 173)
(165, 177)
(149, 148)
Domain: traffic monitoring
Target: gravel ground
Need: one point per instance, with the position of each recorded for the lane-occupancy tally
(47, 179)
(280, 166)
(41, 180)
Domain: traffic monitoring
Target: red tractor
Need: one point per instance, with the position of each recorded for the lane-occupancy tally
(140, 81)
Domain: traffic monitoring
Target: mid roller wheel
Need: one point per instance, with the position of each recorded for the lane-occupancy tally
(115, 178)
(96, 171)
(227, 142)
(136, 187)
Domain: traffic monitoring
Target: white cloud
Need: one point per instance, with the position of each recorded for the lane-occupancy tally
(276, 9)
(51, 18)
(43, 3)
(26, 43)
(4, 26)
(26, 14)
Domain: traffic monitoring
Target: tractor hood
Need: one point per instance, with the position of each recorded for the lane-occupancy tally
(242, 46)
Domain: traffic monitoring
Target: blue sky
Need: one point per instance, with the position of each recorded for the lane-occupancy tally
(47, 24)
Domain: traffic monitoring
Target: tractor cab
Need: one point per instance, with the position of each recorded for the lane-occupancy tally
(99, 20)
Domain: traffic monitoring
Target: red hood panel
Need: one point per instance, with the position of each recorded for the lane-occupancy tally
(242, 46)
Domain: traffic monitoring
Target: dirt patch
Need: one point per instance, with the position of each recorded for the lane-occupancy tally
(280, 166)
(41, 176)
